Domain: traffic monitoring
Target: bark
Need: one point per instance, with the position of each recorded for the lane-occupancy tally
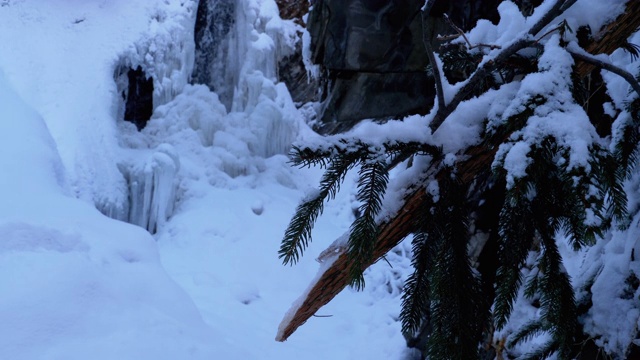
(479, 158)
(612, 37)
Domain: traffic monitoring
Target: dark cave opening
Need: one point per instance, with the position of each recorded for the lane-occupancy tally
(138, 98)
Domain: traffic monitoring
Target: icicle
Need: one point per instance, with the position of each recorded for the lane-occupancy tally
(153, 189)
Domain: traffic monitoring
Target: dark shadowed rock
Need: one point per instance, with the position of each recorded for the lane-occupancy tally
(362, 95)
(291, 69)
(292, 72)
(374, 58)
(214, 21)
(138, 98)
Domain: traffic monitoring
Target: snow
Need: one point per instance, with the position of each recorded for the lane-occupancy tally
(558, 117)
(75, 282)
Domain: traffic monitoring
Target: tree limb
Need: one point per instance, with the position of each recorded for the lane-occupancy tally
(479, 159)
(588, 58)
(612, 37)
(490, 64)
(426, 39)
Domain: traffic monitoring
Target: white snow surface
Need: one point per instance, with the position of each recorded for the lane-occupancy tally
(215, 185)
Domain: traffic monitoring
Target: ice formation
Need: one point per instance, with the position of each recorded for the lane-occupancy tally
(152, 188)
(215, 19)
(242, 114)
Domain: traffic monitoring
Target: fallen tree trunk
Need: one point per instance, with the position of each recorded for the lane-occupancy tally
(612, 36)
(479, 158)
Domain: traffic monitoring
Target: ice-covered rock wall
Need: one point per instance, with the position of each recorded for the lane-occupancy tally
(236, 112)
(233, 40)
(214, 21)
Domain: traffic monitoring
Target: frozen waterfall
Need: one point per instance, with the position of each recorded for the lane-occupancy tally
(240, 117)
(214, 21)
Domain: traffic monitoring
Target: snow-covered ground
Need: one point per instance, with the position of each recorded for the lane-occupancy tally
(208, 284)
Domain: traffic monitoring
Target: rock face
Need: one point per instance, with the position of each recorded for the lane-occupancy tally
(374, 56)
(368, 36)
(375, 59)
(291, 69)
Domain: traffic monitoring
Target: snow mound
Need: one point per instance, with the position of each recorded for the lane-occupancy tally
(76, 284)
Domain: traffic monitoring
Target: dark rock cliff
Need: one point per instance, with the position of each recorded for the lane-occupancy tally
(372, 55)
(374, 59)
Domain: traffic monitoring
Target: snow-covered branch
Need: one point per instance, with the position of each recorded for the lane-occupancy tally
(588, 58)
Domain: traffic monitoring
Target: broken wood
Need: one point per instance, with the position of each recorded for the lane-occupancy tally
(478, 161)
(337, 276)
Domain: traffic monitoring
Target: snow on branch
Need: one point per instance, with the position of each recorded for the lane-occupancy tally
(502, 55)
(588, 58)
(334, 275)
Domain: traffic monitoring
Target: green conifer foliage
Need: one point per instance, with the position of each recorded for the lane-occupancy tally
(555, 198)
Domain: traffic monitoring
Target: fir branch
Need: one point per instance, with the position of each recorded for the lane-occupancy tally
(556, 10)
(298, 233)
(527, 332)
(415, 298)
(570, 198)
(632, 49)
(469, 45)
(372, 184)
(307, 157)
(543, 352)
(627, 151)
(610, 177)
(347, 147)
(532, 286)
(483, 71)
(516, 238)
(454, 295)
(557, 298)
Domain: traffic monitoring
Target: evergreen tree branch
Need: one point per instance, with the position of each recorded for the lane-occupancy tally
(415, 297)
(364, 230)
(556, 10)
(527, 332)
(489, 65)
(516, 238)
(478, 161)
(557, 298)
(454, 300)
(347, 147)
(543, 352)
(298, 233)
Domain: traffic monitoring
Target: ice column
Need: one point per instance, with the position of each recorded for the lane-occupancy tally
(152, 188)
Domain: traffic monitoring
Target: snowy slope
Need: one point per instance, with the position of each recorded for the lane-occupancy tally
(77, 284)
